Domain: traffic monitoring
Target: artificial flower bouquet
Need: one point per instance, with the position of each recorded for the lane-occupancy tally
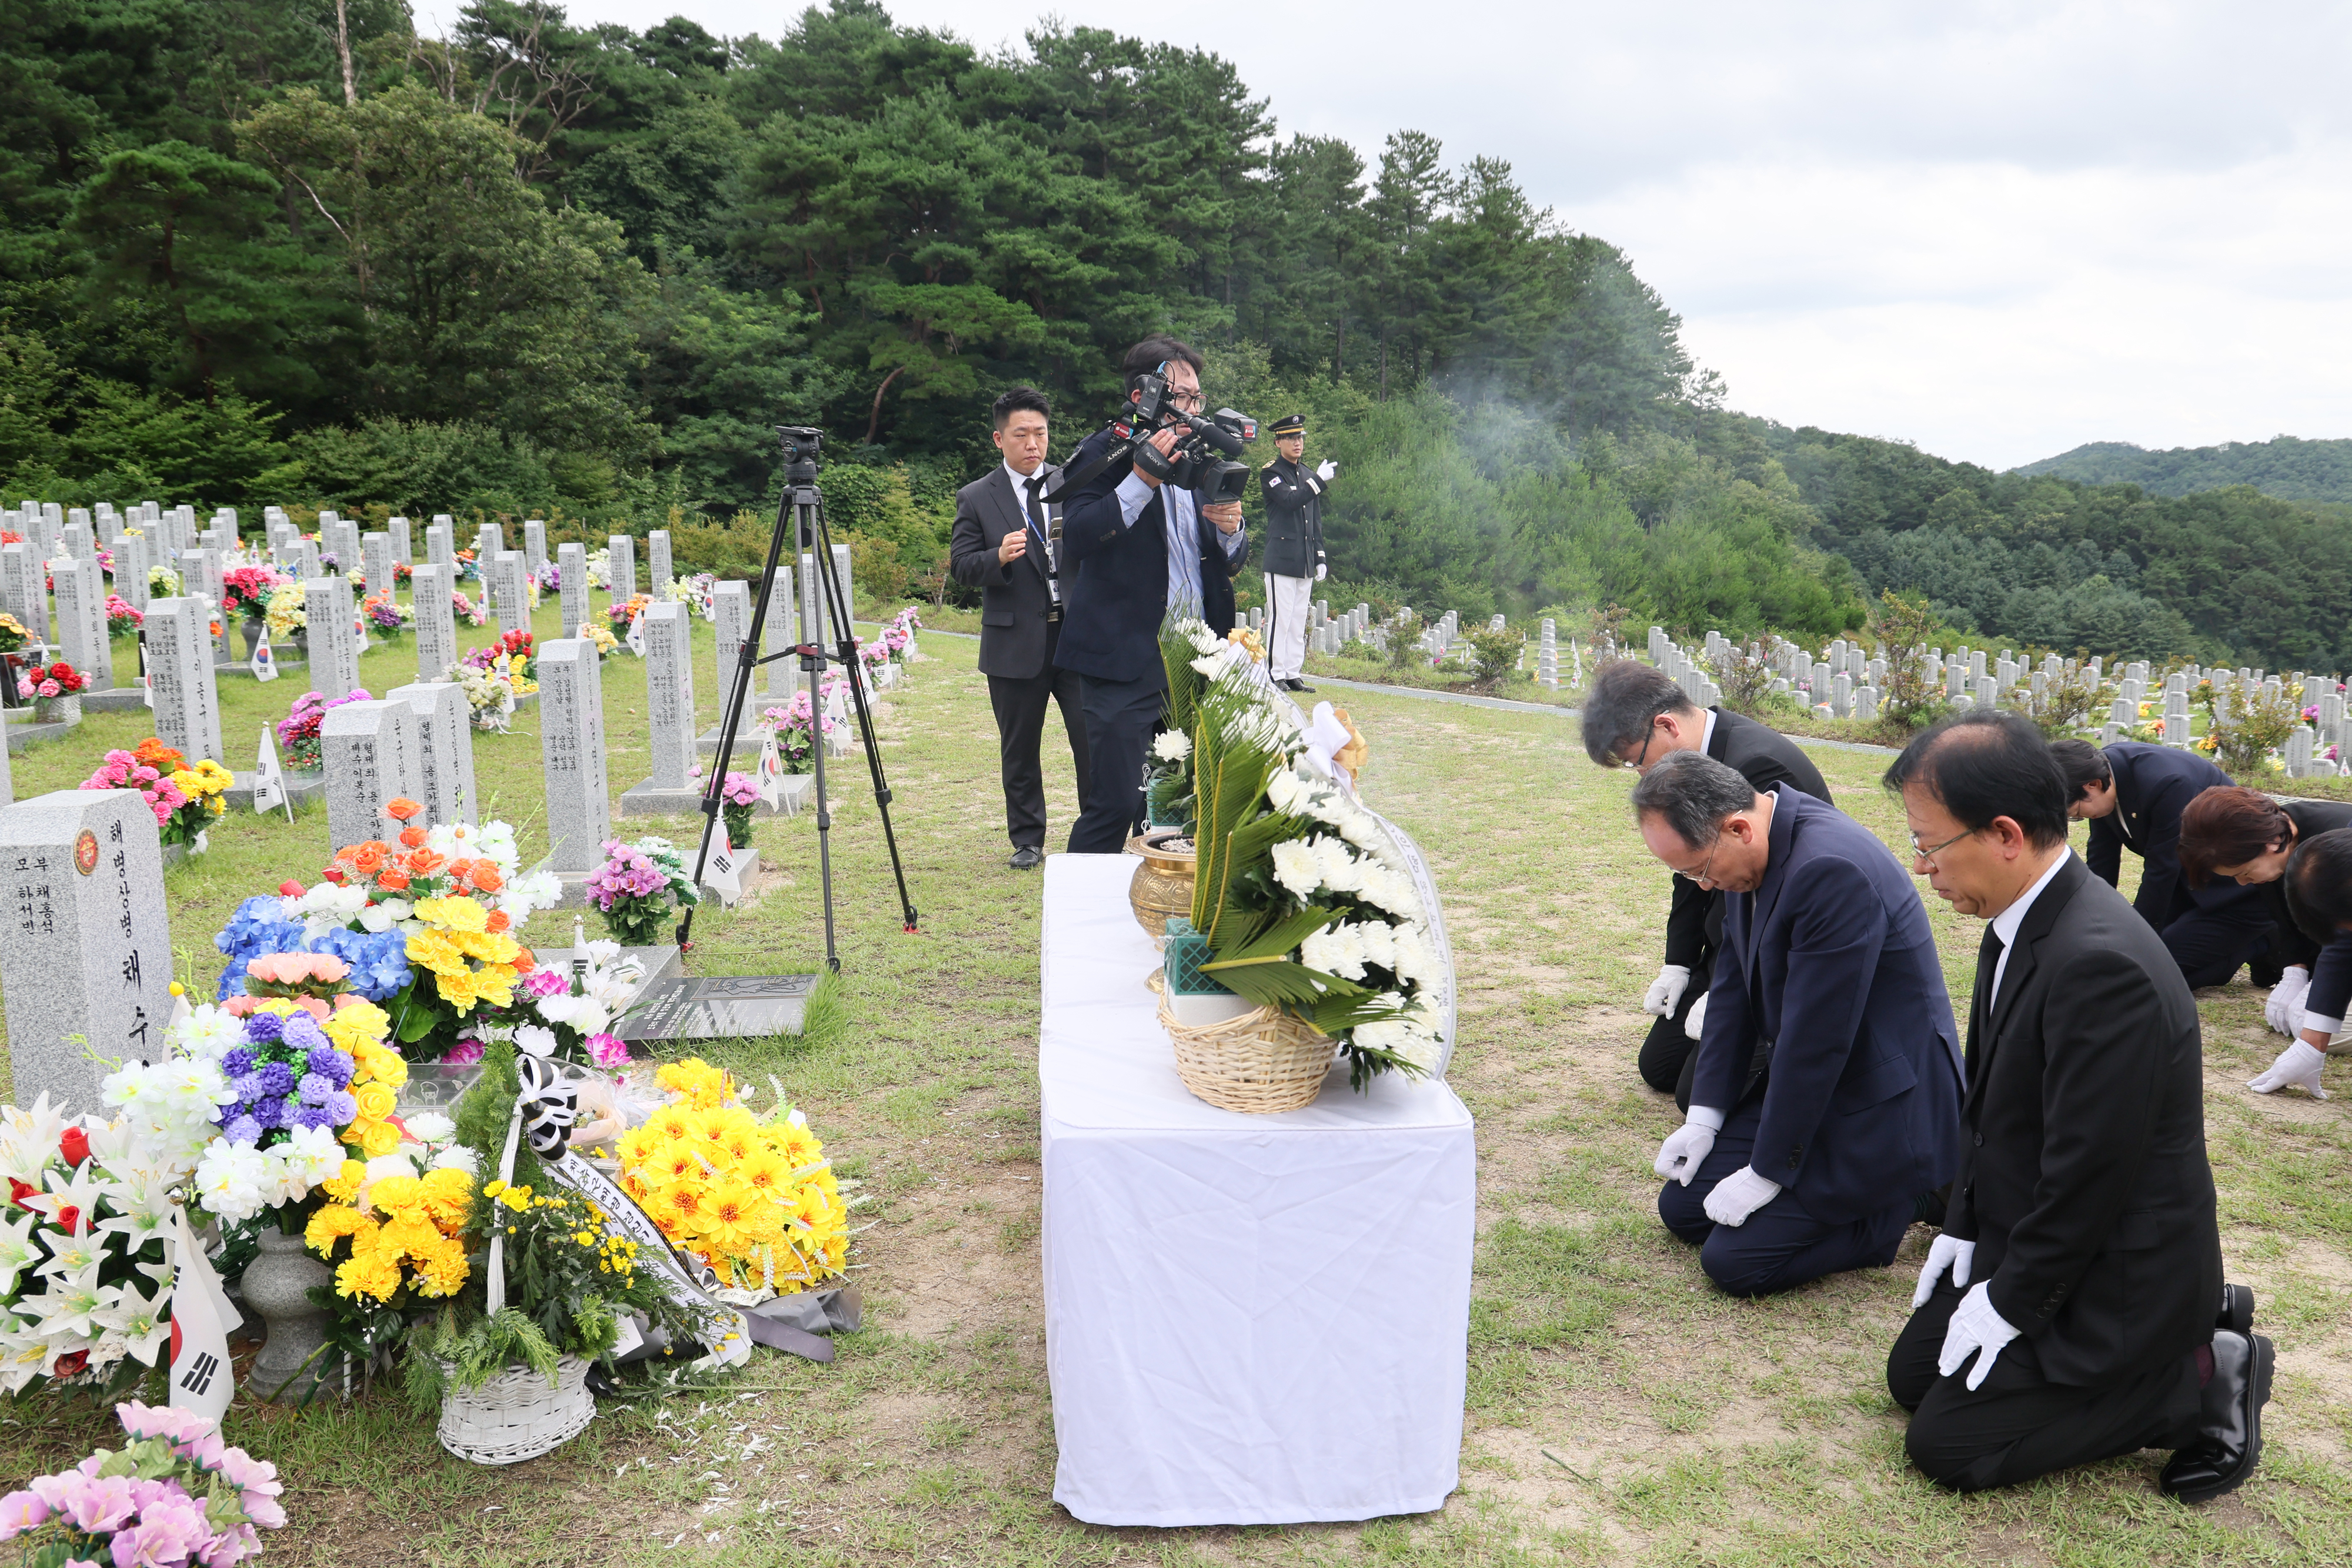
(467, 612)
(640, 888)
(59, 679)
(898, 635)
(246, 591)
(173, 1495)
(1300, 894)
(122, 619)
(599, 636)
(522, 652)
(623, 613)
(164, 583)
(549, 578)
(600, 568)
(285, 610)
(299, 732)
(753, 1196)
(489, 692)
(738, 794)
(798, 725)
(186, 800)
(1168, 779)
(385, 616)
(468, 569)
(12, 635)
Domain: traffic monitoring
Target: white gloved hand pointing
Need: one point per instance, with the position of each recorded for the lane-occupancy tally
(1665, 992)
(1326, 471)
(1948, 1252)
(1696, 1020)
(2285, 1004)
(1679, 1156)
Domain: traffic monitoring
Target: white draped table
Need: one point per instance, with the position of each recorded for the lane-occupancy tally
(1249, 1319)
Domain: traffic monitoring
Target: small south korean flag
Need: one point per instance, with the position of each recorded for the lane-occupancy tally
(637, 634)
(722, 873)
(772, 773)
(203, 1380)
(268, 781)
(265, 662)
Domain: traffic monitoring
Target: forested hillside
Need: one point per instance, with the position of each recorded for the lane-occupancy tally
(286, 250)
(2286, 466)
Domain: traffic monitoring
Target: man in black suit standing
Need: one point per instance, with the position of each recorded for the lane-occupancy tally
(2132, 794)
(1633, 716)
(1004, 544)
(1135, 551)
(2073, 1309)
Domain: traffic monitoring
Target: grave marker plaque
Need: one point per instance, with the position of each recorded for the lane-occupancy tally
(334, 647)
(179, 674)
(572, 754)
(445, 736)
(621, 567)
(371, 757)
(510, 591)
(433, 589)
(534, 545)
(571, 563)
(658, 572)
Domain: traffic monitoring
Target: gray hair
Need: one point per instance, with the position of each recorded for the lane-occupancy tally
(1694, 794)
(1626, 696)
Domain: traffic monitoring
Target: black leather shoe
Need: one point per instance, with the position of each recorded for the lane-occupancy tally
(2229, 1430)
(1028, 857)
(1298, 686)
(2237, 1312)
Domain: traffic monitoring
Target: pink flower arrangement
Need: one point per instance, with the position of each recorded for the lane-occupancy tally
(468, 612)
(57, 680)
(120, 617)
(298, 732)
(609, 1050)
(739, 790)
(175, 1495)
(121, 770)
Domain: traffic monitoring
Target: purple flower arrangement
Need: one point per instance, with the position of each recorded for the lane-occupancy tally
(298, 732)
(286, 1075)
(638, 887)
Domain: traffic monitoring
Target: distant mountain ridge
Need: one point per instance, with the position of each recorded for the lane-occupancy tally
(2286, 466)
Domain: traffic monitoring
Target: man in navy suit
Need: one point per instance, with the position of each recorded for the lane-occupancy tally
(1135, 551)
(2132, 794)
(1825, 1103)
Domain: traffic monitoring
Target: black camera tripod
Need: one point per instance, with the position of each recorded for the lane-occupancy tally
(822, 595)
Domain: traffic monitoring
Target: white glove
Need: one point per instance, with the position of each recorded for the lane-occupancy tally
(1946, 1252)
(1696, 1020)
(1739, 1194)
(1665, 992)
(2298, 1065)
(2285, 1003)
(1320, 571)
(1326, 471)
(1975, 1326)
(1687, 1146)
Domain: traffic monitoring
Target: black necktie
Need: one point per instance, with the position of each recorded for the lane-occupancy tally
(1989, 954)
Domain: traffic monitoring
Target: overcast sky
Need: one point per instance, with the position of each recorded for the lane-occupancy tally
(1997, 231)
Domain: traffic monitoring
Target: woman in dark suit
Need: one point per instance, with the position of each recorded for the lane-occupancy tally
(2244, 836)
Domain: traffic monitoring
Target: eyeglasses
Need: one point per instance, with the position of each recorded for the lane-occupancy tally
(1925, 853)
(1191, 400)
(1699, 875)
(1644, 755)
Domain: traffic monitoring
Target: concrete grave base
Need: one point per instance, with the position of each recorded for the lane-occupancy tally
(650, 799)
(23, 736)
(302, 789)
(117, 699)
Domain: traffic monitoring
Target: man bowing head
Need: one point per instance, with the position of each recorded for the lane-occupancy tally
(1824, 1103)
(2069, 1311)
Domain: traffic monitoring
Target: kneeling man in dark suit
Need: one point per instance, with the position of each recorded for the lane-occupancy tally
(1825, 1101)
(2069, 1311)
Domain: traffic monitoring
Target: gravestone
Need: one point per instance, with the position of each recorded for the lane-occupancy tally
(730, 622)
(109, 526)
(131, 570)
(308, 566)
(334, 650)
(534, 545)
(87, 970)
(347, 548)
(658, 572)
(371, 755)
(180, 674)
(782, 631)
(23, 593)
(572, 567)
(433, 589)
(376, 563)
(621, 567)
(201, 578)
(487, 543)
(402, 552)
(668, 791)
(81, 622)
(438, 550)
(445, 742)
(510, 591)
(78, 543)
(571, 754)
(848, 595)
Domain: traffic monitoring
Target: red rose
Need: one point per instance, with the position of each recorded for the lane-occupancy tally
(72, 1362)
(290, 888)
(18, 1191)
(69, 1218)
(74, 1145)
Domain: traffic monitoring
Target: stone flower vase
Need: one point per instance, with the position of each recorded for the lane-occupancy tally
(251, 630)
(58, 710)
(277, 1285)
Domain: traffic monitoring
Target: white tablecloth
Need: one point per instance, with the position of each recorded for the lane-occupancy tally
(1249, 1319)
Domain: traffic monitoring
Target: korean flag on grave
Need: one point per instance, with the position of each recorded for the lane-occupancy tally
(772, 773)
(265, 663)
(268, 782)
(722, 872)
(203, 1380)
(637, 634)
(359, 631)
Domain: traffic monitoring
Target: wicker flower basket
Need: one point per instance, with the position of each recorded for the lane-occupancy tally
(516, 1415)
(1162, 884)
(1265, 1061)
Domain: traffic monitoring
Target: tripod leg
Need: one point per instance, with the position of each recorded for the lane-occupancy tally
(830, 575)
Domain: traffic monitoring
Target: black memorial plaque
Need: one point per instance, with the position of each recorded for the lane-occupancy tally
(723, 1006)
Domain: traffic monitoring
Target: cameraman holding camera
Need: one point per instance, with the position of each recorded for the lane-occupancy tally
(1135, 549)
(1294, 547)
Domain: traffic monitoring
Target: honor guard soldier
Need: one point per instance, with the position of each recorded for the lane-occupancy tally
(1294, 547)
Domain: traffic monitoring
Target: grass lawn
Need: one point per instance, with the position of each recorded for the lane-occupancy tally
(1620, 1411)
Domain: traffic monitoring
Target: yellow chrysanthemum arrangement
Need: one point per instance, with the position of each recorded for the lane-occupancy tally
(285, 610)
(405, 1231)
(468, 951)
(604, 640)
(207, 783)
(756, 1199)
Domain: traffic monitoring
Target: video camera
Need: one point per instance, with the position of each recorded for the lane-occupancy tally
(1193, 466)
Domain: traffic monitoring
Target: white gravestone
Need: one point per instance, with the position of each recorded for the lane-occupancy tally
(668, 789)
(658, 571)
(621, 567)
(571, 562)
(81, 595)
(179, 674)
(487, 543)
(445, 736)
(87, 969)
(376, 565)
(371, 756)
(782, 631)
(334, 649)
(534, 545)
(438, 550)
(22, 594)
(131, 570)
(437, 622)
(201, 578)
(730, 622)
(403, 551)
(510, 591)
(571, 754)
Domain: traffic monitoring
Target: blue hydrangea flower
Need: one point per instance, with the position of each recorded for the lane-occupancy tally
(313, 1089)
(232, 981)
(246, 1086)
(314, 1116)
(342, 1107)
(268, 1113)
